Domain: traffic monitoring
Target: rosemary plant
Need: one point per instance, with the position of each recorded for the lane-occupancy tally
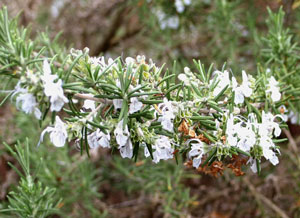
(133, 106)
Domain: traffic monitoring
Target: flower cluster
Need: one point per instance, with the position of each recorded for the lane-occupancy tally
(130, 104)
(251, 136)
(41, 84)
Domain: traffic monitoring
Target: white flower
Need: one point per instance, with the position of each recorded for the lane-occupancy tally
(240, 134)
(29, 104)
(27, 100)
(268, 125)
(182, 77)
(265, 133)
(162, 149)
(52, 89)
(141, 59)
(222, 78)
(231, 131)
(196, 152)
(123, 140)
(187, 2)
(236, 110)
(89, 104)
(118, 103)
(238, 92)
(121, 134)
(247, 91)
(188, 78)
(98, 61)
(167, 115)
(173, 22)
(58, 133)
(129, 61)
(241, 91)
(32, 76)
(268, 146)
(179, 6)
(126, 151)
(47, 74)
(274, 89)
(98, 138)
(247, 138)
(135, 105)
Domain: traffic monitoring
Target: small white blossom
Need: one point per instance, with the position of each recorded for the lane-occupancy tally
(182, 77)
(222, 80)
(247, 138)
(167, 115)
(274, 89)
(47, 74)
(129, 61)
(123, 140)
(268, 125)
(196, 152)
(58, 133)
(98, 61)
(135, 105)
(241, 91)
(268, 150)
(118, 103)
(189, 78)
(121, 134)
(98, 138)
(89, 104)
(162, 149)
(247, 91)
(29, 104)
(240, 134)
(231, 131)
(179, 6)
(236, 110)
(263, 138)
(32, 77)
(126, 151)
(27, 100)
(52, 89)
(173, 22)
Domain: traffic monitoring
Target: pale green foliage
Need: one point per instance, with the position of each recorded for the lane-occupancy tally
(282, 55)
(31, 198)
